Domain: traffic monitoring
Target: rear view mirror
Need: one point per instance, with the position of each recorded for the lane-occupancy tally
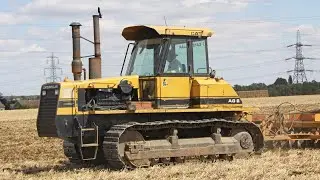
(212, 73)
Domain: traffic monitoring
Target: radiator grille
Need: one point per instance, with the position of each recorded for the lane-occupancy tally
(47, 111)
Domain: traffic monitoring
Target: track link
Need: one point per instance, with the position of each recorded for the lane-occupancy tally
(112, 137)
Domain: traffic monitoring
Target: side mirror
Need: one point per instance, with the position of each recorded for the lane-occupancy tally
(212, 73)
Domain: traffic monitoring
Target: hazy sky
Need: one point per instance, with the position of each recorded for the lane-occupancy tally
(249, 44)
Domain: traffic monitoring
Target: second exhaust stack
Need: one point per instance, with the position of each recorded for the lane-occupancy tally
(76, 62)
(95, 63)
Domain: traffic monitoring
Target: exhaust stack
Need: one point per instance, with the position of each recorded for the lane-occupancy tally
(95, 63)
(76, 62)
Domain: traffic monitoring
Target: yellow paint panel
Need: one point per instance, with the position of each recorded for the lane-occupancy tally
(163, 110)
(211, 88)
(103, 82)
(132, 32)
(173, 87)
(186, 31)
(317, 117)
(66, 93)
(218, 106)
(66, 111)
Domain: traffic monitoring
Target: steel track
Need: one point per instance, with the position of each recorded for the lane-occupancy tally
(112, 137)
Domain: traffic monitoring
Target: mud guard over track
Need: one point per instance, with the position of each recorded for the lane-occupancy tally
(111, 144)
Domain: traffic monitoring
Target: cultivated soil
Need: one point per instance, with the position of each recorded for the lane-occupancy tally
(268, 105)
(23, 155)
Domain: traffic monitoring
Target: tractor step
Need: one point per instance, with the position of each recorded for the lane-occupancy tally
(89, 145)
(87, 129)
(88, 142)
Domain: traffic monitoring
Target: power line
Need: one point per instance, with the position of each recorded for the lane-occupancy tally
(259, 76)
(53, 60)
(254, 21)
(247, 66)
(299, 72)
(252, 50)
(4, 36)
(123, 52)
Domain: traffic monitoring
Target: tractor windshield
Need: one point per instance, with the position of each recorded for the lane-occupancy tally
(145, 57)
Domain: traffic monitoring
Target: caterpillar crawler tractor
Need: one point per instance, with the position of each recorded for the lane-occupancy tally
(167, 108)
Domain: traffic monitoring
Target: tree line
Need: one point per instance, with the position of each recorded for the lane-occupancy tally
(283, 87)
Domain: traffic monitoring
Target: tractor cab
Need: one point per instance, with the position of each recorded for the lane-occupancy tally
(167, 51)
(173, 67)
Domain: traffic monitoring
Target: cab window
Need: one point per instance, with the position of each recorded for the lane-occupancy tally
(145, 57)
(144, 62)
(199, 56)
(177, 58)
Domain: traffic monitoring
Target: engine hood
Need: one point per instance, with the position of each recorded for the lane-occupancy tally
(111, 82)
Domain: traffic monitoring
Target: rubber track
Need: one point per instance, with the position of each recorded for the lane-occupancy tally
(112, 137)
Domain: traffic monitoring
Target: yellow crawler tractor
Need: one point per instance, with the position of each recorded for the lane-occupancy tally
(167, 108)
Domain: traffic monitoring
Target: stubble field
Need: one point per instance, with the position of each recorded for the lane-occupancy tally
(23, 155)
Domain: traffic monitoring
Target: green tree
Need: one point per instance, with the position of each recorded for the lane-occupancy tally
(280, 81)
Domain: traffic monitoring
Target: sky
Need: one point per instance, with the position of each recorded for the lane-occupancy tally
(249, 44)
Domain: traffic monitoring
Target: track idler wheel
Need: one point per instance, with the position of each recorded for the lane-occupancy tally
(245, 140)
(129, 136)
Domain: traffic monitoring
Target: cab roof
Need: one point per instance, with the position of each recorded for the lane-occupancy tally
(135, 33)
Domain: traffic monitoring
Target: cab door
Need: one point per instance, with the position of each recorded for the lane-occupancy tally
(174, 83)
(174, 92)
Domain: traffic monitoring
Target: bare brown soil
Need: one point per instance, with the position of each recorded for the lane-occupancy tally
(23, 155)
